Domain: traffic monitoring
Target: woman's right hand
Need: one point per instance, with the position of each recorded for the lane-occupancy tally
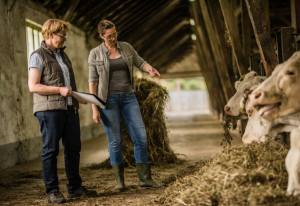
(96, 116)
(65, 91)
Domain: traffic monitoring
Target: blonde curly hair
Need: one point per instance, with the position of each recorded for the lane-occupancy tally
(54, 26)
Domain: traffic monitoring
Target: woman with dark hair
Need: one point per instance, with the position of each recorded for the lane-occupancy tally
(111, 67)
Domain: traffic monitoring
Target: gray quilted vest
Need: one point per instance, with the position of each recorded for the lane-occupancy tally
(52, 75)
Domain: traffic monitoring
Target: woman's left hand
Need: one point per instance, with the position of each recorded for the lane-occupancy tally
(81, 102)
(153, 72)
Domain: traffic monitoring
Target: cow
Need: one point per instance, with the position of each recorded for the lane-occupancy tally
(259, 129)
(278, 97)
(242, 86)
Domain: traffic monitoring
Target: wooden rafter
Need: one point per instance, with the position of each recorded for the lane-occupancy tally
(259, 14)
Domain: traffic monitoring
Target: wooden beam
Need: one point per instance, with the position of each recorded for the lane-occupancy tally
(261, 27)
(208, 65)
(219, 25)
(70, 10)
(295, 15)
(287, 43)
(162, 58)
(255, 63)
(160, 41)
(246, 32)
(215, 93)
(237, 11)
(209, 79)
(219, 58)
(233, 32)
(156, 18)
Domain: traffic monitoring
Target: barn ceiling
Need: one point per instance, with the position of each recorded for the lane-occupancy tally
(159, 30)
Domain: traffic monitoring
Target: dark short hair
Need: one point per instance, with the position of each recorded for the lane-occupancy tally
(104, 25)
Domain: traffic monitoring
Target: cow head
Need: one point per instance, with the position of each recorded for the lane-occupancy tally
(242, 86)
(257, 129)
(279, 95)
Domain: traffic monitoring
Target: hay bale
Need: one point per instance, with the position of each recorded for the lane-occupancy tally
(152, 99)
(239, 175)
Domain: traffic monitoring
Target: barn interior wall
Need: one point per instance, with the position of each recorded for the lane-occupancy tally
(20, 137)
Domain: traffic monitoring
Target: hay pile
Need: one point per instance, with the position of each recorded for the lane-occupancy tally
(239, 175)
(228, 123)
(152, 99)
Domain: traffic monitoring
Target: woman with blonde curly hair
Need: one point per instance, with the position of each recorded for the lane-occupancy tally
(51, 80)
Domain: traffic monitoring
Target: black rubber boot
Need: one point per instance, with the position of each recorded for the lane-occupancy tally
(119, 174)
(145, 179)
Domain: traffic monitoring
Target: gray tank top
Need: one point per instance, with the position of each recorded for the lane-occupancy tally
(119, 77)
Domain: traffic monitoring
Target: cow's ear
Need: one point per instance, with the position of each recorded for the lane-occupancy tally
(296, 55)
(237, 84)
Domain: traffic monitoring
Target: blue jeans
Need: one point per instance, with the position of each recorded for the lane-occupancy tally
(127, 107)
(56, 124)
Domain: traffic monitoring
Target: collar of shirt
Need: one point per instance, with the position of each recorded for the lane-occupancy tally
(105, 48)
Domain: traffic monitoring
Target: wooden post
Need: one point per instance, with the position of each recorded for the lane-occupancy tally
(208, 65)
(233, 32)
(222, 69)
(246, 32)
(219, 25)
(70, 10)
(258, 9)
(210, 81)
(295, 15)
(255, 63)
(285, 43)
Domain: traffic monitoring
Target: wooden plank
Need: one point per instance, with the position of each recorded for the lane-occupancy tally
(287, 42)
(219, 25)
(70, 10)
(233, 32)
(261, 28)
(207, 63)
(219, 59)
(255, 63)
(295, 15)
(215, 94)
(157, 16)
(246, 32)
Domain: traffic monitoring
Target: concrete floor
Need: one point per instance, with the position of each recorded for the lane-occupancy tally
(195, 135)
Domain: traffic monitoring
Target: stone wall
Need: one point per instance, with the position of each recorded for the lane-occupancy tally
(20, 138)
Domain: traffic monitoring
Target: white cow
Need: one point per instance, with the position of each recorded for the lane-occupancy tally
(260, 129)
(242, 86)
(278, 96)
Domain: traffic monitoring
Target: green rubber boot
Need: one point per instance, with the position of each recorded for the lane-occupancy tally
(145, 179)
(119, 174)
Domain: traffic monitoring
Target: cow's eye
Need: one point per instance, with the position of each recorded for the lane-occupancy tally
(291, 73)
(246, 90)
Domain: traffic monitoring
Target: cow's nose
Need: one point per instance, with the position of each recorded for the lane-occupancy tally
(227, 108)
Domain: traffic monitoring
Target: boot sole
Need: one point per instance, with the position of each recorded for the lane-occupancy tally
(144, 188)
(74, 195)
(57, 202)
